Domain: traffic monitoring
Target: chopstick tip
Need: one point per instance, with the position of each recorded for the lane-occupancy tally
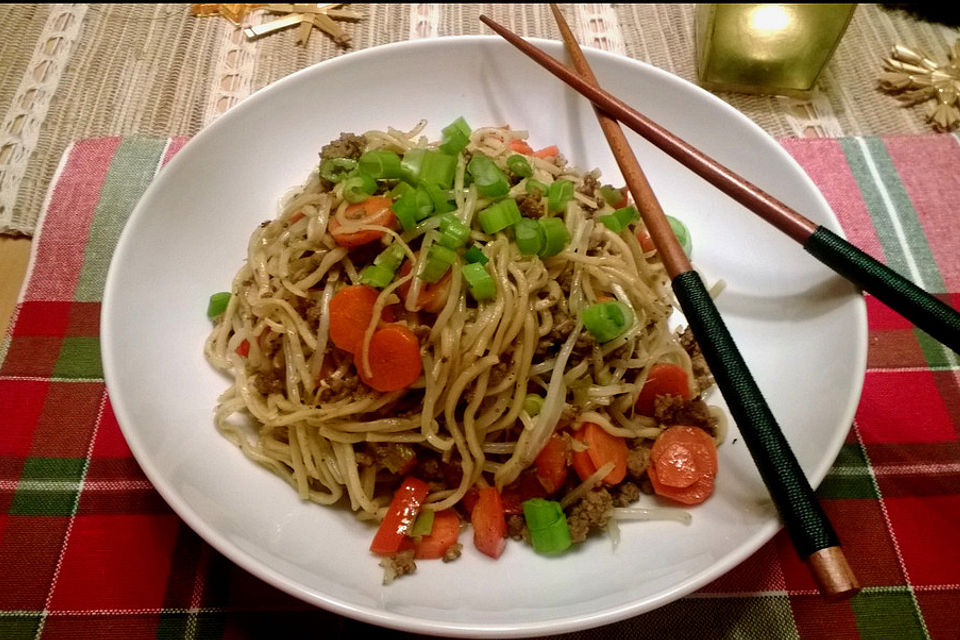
(833, 575)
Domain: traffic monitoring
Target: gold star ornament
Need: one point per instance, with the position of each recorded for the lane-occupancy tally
(306, 17)
(235, 13)
(916, 78)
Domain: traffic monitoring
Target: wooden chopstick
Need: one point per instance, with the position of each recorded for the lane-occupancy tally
(927, 312)
(811, 532)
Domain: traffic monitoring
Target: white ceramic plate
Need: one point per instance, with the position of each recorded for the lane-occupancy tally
(801, 329)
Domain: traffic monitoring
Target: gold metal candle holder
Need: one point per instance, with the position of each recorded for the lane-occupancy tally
(773, 49)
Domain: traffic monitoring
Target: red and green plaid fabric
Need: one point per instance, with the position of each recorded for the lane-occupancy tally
(89, 549)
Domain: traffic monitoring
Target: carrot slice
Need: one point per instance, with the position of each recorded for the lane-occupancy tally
(374, 210)
(520, 146)
(351, 309)
(446, 530)
(682, 454)
(696, 493)
(602, 448)
(665, 378)
(433, 295)
(489, 523)
(394, 357)
(551, 463)
(683, 464)
(547, 152)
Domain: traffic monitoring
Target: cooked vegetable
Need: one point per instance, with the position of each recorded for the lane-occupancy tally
(489, 522)
(479, 282)
(559, 194)
(490, 181)
(392, 534)
(549, 532)
(555, 236)
(619, 219)
(351, 309)
(394, 357)
(443, 535)
(683, 464)
(519, 166)
(664, 378)
(439, 260)
(218, 304)
(551, 463)
(381, 164)
(336, 169)
(499, 216)
(607, 320)
(602, 448)
(529, 236)
(375, 210)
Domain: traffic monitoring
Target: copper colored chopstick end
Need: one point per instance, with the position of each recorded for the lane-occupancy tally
(833, 575)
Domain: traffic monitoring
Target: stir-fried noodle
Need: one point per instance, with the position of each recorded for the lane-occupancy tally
(316, 424)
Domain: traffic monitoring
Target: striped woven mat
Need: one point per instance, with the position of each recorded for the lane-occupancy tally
(88, 548)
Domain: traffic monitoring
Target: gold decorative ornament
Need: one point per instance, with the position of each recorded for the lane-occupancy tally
(916, 78)
(307, 16)
(235, 13)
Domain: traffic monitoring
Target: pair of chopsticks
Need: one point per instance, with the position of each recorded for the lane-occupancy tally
(925, 311)
(812, 535)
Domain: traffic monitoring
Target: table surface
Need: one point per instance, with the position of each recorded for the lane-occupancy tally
(73, 72)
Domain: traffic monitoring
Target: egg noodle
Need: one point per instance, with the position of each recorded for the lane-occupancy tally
(296, 406)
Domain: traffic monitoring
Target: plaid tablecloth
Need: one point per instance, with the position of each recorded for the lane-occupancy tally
(89, 549)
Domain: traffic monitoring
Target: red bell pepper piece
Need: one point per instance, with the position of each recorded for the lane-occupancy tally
(446, 529)
(551, 463)
(403, 511)
(489, 523)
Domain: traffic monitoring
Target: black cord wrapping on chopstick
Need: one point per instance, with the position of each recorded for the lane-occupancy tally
(802, 514)
(928, 313)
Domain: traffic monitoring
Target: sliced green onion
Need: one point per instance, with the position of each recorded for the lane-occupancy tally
(336, 169)
(453, 233)
(683, 234)
(535, 187)
(423, 525)
(532, 404)
(399, 190)
(549, 531)
(439, 197)
(439, 259)
(380, 164)
(559, 194)
(437, 168)
(412, 207)
(607, 320)
(358, 187)
(410, 165)
(218, 304)
(476, 254)
(519, 165)
(499, 216)
(479, 281)
(611, 195)
(456, 136)
(619, 219)
(490, 181)
(391, 257)
(555, 236)
(529, 236)
(376, 275)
